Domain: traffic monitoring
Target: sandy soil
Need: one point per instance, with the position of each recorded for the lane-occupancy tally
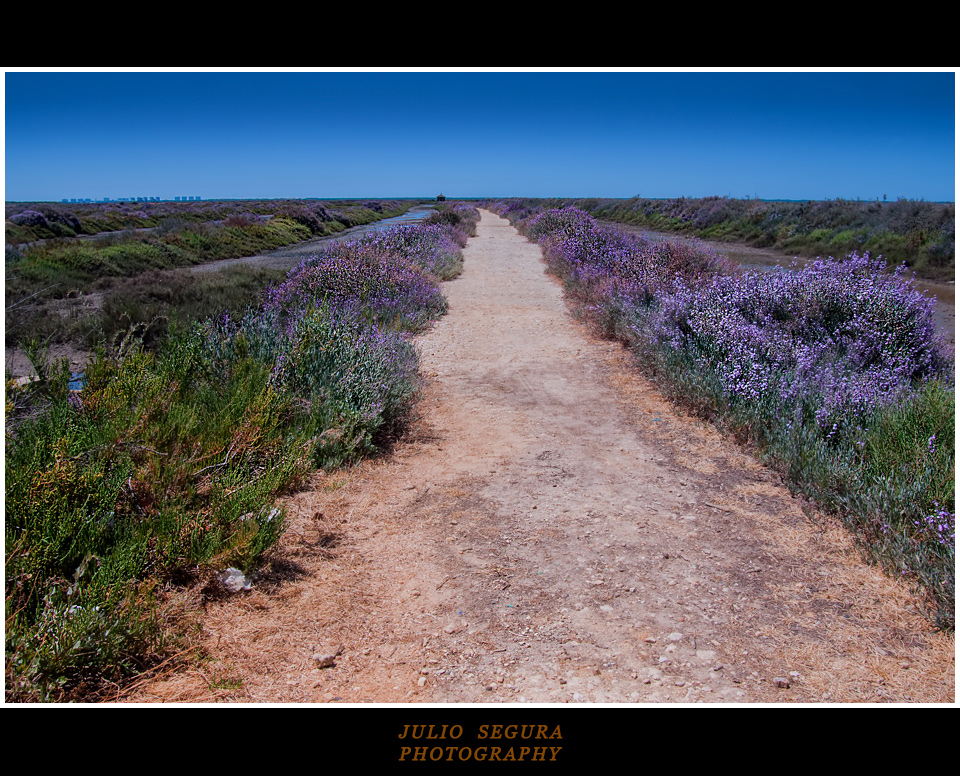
(552, 531)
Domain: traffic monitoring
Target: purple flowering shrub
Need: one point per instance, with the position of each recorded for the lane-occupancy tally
(837, 371)
(434, 248)
(612, 272)
(831, 342)
(336, 334)
(44, 222)
(28, 218)
(363, 275)
(588, 254)
(941, 526)
(358, 380)
(461, 218)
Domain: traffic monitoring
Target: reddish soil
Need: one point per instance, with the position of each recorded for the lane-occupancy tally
(553, 531)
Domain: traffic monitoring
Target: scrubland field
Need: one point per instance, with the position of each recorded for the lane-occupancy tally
(209, 399)
(190, 423)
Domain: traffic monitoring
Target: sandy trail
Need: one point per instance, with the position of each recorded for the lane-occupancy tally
(553, 532)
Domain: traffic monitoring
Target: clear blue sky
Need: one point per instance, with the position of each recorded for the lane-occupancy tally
(773, 135)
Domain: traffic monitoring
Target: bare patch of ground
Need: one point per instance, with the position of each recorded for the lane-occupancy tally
(552, 531)
(17, 363)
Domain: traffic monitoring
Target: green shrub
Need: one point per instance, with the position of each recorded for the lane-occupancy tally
(161, 467)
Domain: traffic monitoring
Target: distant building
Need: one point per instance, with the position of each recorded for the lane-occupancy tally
(441, 198)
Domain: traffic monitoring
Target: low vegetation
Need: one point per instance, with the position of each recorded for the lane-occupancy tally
(162, 466)
(833, 371)
(27, 222)
(920, 234)
(49, 258)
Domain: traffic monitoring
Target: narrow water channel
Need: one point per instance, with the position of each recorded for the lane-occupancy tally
(290, 255)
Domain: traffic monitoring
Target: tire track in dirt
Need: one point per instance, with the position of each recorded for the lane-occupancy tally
(553, 532)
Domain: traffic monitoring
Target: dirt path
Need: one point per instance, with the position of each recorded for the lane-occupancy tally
(552, 532)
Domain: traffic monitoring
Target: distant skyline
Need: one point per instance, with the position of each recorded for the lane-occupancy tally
(397, 134)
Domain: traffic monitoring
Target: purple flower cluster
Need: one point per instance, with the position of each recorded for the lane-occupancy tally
(829, 343)
(431, 247)
(462, 219)
(610, 260)
(336, 331)
(940, 526)
(380, 274)
(28, 218)
(354, 376)
(838, 338)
